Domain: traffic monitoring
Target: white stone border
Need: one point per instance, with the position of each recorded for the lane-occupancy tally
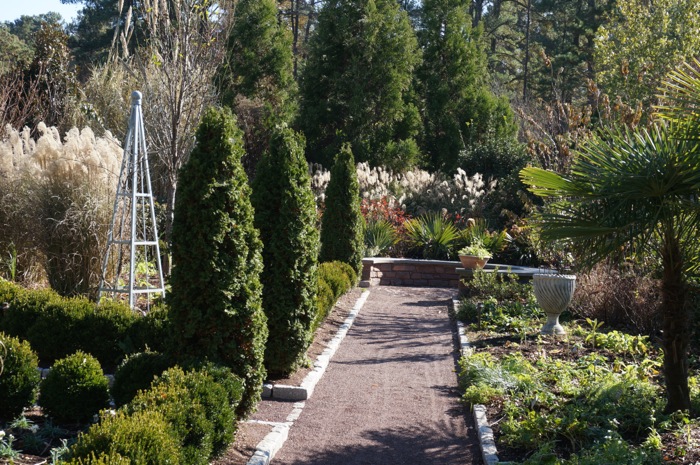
(308, 384)
(487, 442)
(275, 439)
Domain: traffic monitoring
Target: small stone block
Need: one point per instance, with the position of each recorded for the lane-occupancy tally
(286, 392)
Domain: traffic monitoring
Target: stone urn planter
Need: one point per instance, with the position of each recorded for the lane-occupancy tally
(472, 262)
(553, 293)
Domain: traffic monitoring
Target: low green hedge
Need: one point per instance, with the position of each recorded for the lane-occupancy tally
(334, 279)
(145, 438)
(75, 389)
(190, 414)
(19, 378)
(56, 326)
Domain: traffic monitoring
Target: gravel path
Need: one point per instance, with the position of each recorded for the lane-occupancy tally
(390, 393)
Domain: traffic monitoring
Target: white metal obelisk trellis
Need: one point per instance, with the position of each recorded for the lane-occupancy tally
(132, 248)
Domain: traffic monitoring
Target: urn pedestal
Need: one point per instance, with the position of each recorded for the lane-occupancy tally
(553, 293)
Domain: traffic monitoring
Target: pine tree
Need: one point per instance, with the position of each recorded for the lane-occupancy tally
(257, 78)
(356, 86)
(285, 214)
(216, 290)
(342, 235)
(460, 110)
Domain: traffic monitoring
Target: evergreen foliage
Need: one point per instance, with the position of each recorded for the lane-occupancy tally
(75, 389)
(145, 438)
(342, 235)
(135, 374)
(257, 78)
(357, 84)
(19, 378)
(460, 110)
(216, 290)
(285, 214)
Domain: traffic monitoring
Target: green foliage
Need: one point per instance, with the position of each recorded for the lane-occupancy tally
(380, 236)
(219, 391)
(334, 279)
(257, 79)
(75, 389)
(170, 396)
(144, 438)
(356, 85)
(216, 291)
(325, 300)
(499, 158)
(19, 378)
(57, 327)
(102, 459)
(341, 226)
(259, 62)
(499, 286)
(460, 110)
(135, 374)
(285, 215)
(641, 42)
(432, 236)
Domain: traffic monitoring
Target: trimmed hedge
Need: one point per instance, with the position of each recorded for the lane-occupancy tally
(196, 409)
(75, 389)
(56, 326)
(334, 279)
(285, 214)
(342, 228)
(136, 373)
(170, 396)
(216, 297)
(19, 378)
(145, 438)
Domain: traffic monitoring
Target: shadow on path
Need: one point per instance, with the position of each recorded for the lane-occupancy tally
(410, 445)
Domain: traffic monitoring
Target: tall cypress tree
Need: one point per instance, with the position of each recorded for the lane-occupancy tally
(285, 214)
(216, 291)
(460, 110)
(342, 235)
(356, 86)
(257, 78)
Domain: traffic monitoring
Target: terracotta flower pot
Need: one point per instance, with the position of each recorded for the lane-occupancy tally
(472, 262)
(553, 293)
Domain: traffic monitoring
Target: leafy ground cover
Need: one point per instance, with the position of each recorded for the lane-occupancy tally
(593, 396)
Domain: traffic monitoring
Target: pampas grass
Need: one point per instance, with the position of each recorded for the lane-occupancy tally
(56, 198)
(416, 191)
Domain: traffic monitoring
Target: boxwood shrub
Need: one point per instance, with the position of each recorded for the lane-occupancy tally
(334, 279)
(102, 459)
(19, 378)
(170, 396)
(136, 373)
(56, 326)
(144, 437)
(75, 389)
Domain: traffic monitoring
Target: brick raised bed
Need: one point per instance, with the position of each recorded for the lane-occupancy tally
(409, 272)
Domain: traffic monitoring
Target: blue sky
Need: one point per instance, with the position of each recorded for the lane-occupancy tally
(13, 9)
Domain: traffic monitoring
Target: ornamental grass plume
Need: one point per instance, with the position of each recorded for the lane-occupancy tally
(55, 204)
(416, 191)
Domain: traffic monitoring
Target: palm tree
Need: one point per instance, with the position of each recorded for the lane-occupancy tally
(638, 190)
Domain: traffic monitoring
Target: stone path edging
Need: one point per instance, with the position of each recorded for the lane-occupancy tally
(273, 441)
(484, 431)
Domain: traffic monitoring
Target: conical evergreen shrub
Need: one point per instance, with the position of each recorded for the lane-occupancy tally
(216, 290)
(285, 214)
(342, 236)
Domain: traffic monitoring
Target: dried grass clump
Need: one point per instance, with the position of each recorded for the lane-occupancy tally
(620, 299)
(416, 191)
(55, 204)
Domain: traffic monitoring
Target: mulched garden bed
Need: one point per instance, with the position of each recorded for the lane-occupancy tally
(677, 448)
